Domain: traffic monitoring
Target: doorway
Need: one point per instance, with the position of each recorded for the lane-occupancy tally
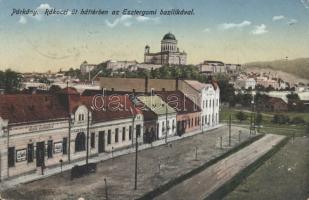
(40, 154)
(101, 144)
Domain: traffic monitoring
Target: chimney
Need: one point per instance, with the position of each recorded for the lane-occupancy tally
(146, 84)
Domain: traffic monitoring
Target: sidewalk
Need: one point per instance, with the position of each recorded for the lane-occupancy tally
(102, 157)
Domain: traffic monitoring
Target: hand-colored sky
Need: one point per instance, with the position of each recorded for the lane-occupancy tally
(235, 31)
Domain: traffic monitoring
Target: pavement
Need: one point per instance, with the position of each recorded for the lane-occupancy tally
(102, 157)
(203, 184)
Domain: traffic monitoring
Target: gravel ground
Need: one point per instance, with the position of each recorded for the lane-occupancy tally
(175, 159)
(285, 176)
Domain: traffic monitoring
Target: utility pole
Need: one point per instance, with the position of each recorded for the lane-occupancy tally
(136, 149)
(69, 146)
(106, 194)
(230, 129)
(87, 142)
(166, 124)
(136, 156)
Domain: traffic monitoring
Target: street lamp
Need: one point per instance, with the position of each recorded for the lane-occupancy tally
(252, 126)
(136, 148)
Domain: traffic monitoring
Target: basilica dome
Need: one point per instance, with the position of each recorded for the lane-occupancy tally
(169, 36)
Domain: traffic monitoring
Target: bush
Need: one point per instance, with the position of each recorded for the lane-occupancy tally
(298, 120)
(307, 129)
(259, 119)
(241, 116)
(280, 119)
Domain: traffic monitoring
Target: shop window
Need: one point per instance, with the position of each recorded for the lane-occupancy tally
(80, 142)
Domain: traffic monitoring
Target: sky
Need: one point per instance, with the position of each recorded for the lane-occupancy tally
(232, 31)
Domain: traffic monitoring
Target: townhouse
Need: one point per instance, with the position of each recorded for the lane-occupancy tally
(39, 130)
(166, 115)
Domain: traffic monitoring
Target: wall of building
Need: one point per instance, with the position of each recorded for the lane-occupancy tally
(191, 121)
(21, 136)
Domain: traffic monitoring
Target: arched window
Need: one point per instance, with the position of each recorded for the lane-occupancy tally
(80, 142)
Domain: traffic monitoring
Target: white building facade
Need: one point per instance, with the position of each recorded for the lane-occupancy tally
(28, 146)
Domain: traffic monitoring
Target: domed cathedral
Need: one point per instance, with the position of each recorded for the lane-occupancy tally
(169, 54)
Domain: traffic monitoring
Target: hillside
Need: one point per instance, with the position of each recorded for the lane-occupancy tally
(298, 67)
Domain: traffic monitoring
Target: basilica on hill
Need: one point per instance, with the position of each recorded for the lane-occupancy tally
(169, 54)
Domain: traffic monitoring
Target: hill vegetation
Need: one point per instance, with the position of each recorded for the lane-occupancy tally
(298, 67)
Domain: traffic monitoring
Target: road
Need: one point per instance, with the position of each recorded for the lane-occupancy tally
(156, 166)
(203, 184)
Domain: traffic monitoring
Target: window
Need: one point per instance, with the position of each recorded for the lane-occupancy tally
(11, 156)
(138, 131)
(210, 103)
(163, 126)
(123, 133)
(130, 133)
(92, 140)
(49, 149)
(30, 153)
(206, 103)
(109, 137)
(64, 145)
(116, 134)
(80, 142)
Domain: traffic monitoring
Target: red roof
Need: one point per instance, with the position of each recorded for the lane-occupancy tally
(23, 108)
(273, 100)
(180, 102)
(107, 108)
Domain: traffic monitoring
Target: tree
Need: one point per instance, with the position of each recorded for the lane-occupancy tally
(54, 89)
(298, 120)
(10, 81)
(227, 91)
(259, 119)
(241, 116)
(307, 129)
(280, 119)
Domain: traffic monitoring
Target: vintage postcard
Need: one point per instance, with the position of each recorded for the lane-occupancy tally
(154, 99)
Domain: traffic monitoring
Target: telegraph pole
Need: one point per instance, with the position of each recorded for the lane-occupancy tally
(106, 194)
(230, 129)
(87, 143)
(136, 149)
(166, 124)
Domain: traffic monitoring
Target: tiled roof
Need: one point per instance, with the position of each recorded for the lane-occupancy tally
(273, 100)
(179, 102)
(25, 108)
(22, 108)
(115, 107)
(195, 84)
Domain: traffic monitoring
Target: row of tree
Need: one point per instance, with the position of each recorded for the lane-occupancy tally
(10, 81)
